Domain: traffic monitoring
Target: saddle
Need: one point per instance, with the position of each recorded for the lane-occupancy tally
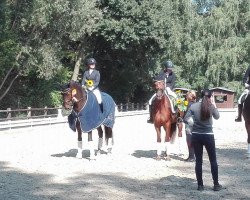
(171, 103)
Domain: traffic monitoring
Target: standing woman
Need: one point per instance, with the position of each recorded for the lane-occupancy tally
(191, 98)
(203, 113)
(91, 80)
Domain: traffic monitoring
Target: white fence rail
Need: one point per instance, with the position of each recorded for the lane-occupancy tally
(15, 124)
(32, 122)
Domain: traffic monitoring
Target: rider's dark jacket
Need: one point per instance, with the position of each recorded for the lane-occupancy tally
(246, 78)
(169, 78)
(94, 76)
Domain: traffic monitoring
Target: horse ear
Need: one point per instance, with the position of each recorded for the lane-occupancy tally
(62, 86)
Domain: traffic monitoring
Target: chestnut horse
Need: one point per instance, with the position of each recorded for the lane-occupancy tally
(76, 98)
(163, 117)
(246, 115)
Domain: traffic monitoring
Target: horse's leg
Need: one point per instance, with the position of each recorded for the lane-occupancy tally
(91, 146)
(180, 127)
(108, 138)
(167, 128)
(100, 139)
(247, 125)
(158, 147)
(79, 144)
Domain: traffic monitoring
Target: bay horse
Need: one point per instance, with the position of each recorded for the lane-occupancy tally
(86, 115)
(163, 117)
(246, 115)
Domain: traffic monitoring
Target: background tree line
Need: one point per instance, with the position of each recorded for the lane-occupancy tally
(44, 43)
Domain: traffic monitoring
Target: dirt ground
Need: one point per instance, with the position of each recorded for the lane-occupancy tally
(39, 163)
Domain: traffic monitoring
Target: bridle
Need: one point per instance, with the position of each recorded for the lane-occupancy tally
(70, 102)
(160, 89)
(160, 93)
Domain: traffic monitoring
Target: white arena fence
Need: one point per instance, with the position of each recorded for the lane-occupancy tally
(58, 116)
(44, 120)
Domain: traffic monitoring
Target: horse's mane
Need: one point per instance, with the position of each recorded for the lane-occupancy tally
(74, 84)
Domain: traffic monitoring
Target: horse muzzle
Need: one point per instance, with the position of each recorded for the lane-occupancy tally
(159, 94)
(68, 105)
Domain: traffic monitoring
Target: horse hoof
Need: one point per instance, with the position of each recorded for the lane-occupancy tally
(109, 150)
(99, 152)
(92, 158)
(79, 155)
(167, 158)
(157, 158)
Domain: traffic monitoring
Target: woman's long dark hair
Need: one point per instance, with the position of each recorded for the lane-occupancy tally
(205, 104)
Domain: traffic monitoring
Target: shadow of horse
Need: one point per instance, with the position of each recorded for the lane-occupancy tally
(73, 152)
(144, 153)
(151, 154)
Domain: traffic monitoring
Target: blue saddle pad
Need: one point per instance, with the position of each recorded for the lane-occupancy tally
(91, 116)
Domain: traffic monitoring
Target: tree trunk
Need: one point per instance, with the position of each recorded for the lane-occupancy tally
(9, 86)
(77, 65)
(5, 78)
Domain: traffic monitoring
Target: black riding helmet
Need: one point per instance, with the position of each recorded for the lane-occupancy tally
(90, 61)
(168, 64)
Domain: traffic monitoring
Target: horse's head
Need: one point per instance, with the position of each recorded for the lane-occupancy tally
(160, 88)
(73, 96)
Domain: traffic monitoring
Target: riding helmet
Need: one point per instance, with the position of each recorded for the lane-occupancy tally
(90, 61)
(168, 64)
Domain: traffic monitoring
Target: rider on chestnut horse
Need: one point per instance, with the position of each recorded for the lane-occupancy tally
(246, 82)
(169, 77)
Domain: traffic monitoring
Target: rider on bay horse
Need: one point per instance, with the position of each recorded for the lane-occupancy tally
(246, 82)
(91, 80)
(169, 77)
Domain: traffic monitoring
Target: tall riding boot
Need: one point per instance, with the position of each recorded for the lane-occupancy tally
(191, 157)
(101, 107)
(239, 119)
(150, 120)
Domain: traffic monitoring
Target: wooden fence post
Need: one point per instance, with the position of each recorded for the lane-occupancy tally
(8, 113)
(45, 111)
(29, 112)
(126, 106)
(59, 114)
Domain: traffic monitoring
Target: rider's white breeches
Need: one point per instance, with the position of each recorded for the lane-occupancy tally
(97, 93)
(171, 93)
(167, 91)
(243, 93)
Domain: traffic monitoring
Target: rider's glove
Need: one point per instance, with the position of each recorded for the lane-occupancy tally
(247, 85)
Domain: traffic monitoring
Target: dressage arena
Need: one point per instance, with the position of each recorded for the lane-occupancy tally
(39, 163)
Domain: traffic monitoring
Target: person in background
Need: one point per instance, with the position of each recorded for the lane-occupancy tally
(203, 113)
(169, 77)
(191, 98)
(91, 80)
(246, 83)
